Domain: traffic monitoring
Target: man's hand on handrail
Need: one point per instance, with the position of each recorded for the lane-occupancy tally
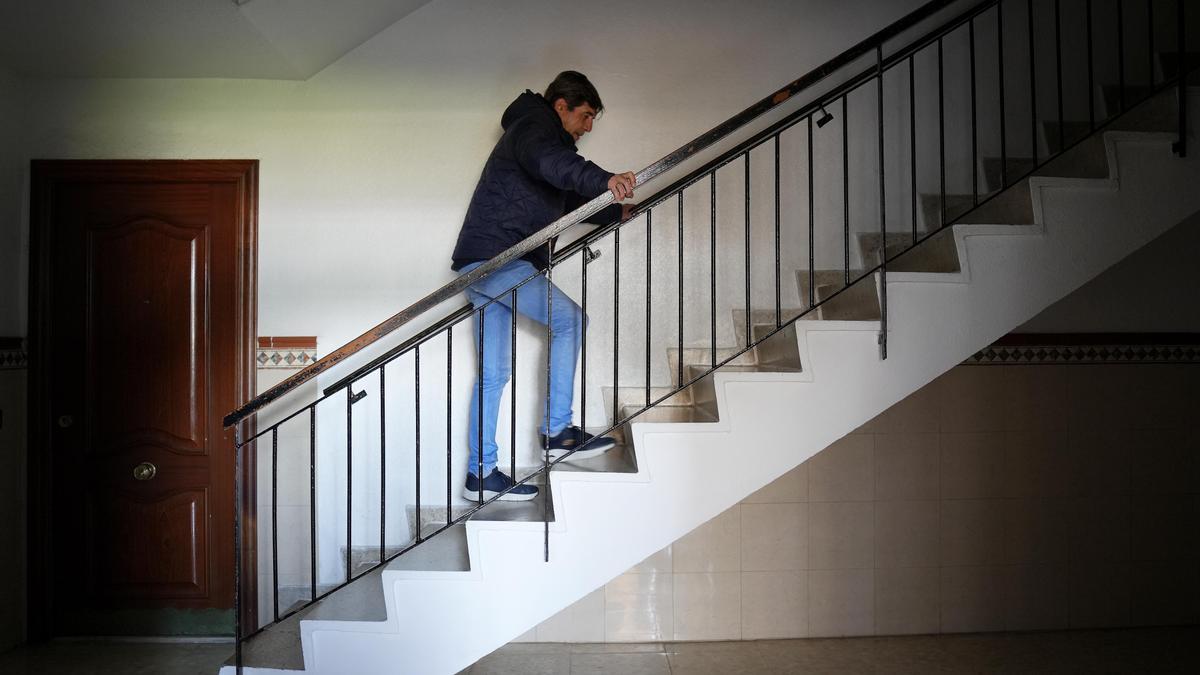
(627, 211)
(621, 185)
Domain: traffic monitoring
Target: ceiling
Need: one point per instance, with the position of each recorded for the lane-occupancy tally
(268, 39)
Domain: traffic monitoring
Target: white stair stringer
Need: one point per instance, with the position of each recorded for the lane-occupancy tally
(441, 622)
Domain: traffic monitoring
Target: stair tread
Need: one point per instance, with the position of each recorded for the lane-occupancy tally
(445, 552)
(620, 459)
(671, 413)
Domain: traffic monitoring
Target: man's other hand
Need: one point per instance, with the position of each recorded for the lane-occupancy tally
(627, 211)
(621, 185)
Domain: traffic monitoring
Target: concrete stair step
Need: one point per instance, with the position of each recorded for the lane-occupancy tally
(859, 302)
(937, 254)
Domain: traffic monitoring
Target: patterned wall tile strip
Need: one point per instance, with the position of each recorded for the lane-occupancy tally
(1029, 349)
(289, 352)
(12, 353)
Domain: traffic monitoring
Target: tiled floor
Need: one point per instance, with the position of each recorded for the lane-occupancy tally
(1154, 650)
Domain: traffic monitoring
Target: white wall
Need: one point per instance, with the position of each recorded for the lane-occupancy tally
(367, 167)
(1152, 291)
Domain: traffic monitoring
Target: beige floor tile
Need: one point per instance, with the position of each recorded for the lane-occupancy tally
(1036, 597)
(919, 412)
(1100, 530)
(1164, 594)
(774, 605)
(523, 664)
(907, 466)
(906, 600)
(775, 536)
(972, 465)
(582, 621)
(907, 534)
(972, 532)
(620, 664)
(844, 471)
(1099, 461)
(715, 658)
(1100, 595)
(1097, 393)
(841, 602)
(841, 535)
(971, 400)
(1035, 397)
(1036, 463)
(661, 562)
(708, 606)
(639, 607)
(1036, 531)
(715, 546)
(1162, 462)
(1164, 528)
(790, 487)
(972, 599)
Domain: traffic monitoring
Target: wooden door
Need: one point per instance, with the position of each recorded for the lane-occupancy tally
(145, 321)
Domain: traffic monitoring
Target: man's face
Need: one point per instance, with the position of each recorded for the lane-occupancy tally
(578, 120)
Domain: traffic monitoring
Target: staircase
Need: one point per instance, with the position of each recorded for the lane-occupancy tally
(793, 381)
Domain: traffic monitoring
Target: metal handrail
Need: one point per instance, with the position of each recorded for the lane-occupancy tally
(740, 151)
(668, 162)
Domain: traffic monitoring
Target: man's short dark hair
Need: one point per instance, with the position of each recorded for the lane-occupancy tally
(574, 88)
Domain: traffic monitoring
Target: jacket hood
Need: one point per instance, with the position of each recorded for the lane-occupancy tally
(533, 105)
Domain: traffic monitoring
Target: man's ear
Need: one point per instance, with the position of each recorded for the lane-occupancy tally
(560, 105)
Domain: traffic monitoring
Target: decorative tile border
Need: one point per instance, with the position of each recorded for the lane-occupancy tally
(1093, 348)
(12, 354)
(294, 352)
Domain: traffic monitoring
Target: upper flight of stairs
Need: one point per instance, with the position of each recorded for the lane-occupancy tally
(462, 594)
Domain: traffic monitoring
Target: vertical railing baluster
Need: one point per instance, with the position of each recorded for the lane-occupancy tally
(616, 400)
(275, 520)
(679, 287)
(845, 190)
(416, 435)
(712, 254)
(1062, 133)
(941, 134)
(912, 151)
(1149, 47)
(349, 479)
(585, 257)
(312, 500)
(544, 492)
(449, 417)
(746, 160)
(1033, 119)
(778, 300)
(383, 465)
(1180, 146)
(479, 401)
(1091, 76)
(649, 267)
(883, 306)
(812, 224)
(974, 121)
(237, 548)
(1003, 109)
(512, 391)
(1121, 55)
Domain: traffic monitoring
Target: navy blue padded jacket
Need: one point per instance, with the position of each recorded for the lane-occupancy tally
(533, 176)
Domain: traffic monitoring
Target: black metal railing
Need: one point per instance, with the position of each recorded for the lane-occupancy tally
(884, 77)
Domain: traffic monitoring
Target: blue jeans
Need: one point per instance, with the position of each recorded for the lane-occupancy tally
(566, 321)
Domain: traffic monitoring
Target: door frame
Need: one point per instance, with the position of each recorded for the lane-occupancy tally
(45, 175)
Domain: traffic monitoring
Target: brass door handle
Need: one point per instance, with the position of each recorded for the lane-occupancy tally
(144, 471)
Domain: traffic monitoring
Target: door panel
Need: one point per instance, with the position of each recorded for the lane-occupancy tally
(145, 299)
